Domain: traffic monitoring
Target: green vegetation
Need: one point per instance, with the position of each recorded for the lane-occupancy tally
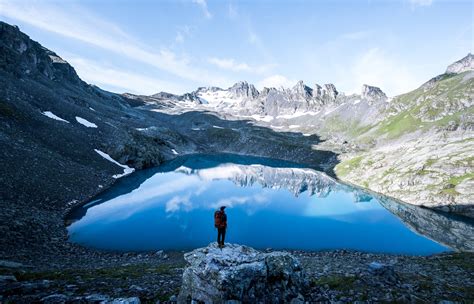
(348, 165)
(446, 92)
(452, 182)
(450, 191)
(456, 180)
(388, 172)
(398, 125)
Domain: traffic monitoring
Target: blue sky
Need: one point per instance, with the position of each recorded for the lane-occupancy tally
(147, 46)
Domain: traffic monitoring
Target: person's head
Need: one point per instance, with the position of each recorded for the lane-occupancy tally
(222, 208)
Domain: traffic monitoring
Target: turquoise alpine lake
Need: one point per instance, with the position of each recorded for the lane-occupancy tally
(270, 204)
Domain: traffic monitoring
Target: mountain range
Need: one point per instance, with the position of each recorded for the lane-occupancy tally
(65, 140)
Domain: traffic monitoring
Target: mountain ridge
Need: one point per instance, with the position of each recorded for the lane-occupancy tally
(143, 131)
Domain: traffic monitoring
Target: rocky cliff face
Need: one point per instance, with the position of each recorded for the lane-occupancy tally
(463, 65)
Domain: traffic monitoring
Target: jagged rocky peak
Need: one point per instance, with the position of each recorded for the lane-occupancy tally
(190, 97)
(24, 57)
(244, 89)
(462, 65)
(266, 91)
(164, 95)
(331, 90)
(302, 90)
(207, 89)
(372, 93)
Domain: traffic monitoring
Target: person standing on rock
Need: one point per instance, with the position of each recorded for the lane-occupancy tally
(220, 222)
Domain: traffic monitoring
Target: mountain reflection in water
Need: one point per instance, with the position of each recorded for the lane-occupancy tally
(271, 203)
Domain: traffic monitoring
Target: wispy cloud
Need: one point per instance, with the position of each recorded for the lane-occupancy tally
(232, 65)
(203, 5)
(114, 79)
(78, 23)
(276, 81)
(376, 67)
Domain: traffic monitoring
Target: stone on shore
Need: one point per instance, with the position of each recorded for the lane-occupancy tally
(241, 274)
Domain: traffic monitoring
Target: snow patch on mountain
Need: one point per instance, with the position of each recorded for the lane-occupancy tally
(53, 116)
(85, 122)
(126, 169)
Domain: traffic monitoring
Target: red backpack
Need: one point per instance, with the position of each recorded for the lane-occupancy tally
(218, 219)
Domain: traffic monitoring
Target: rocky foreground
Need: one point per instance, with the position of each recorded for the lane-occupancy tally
(237, 274)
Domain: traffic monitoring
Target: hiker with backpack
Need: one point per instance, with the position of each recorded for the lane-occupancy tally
(220, 222)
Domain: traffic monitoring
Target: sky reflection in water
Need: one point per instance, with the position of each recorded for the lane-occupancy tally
(269, 205)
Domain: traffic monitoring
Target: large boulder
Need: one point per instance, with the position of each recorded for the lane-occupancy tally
(238, 273)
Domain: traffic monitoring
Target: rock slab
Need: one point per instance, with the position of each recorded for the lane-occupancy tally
(237, 273)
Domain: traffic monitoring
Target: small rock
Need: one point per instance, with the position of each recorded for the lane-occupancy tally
(10, 264)
(133, 300)
(96, 298)
(136, 288)
(298, 300)
(54, 299)
(7, 278)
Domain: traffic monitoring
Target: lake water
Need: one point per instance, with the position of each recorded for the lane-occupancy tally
(270, 204)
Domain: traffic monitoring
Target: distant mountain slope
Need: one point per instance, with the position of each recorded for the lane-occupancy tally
(424, 151)
(417, 146)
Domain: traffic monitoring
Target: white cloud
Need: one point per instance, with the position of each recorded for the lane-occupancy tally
(80, 24)
(179, 202)
(114, 79)
(232, 65)
(375, 67)
(203, 5)
(276, 81)
(233, 201)
(415, 3)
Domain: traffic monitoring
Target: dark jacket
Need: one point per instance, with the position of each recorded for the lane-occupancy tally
(223, 220)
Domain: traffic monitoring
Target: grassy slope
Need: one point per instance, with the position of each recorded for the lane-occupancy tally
(425, 110)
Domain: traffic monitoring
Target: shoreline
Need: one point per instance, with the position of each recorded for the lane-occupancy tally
(52, 265)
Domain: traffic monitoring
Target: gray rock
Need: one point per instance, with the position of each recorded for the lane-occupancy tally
(10, 264)
(96, 298)
(240, 273)
(462, 65)
(7, 279)
(385, 272)
(54, 299)
(132, 300)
